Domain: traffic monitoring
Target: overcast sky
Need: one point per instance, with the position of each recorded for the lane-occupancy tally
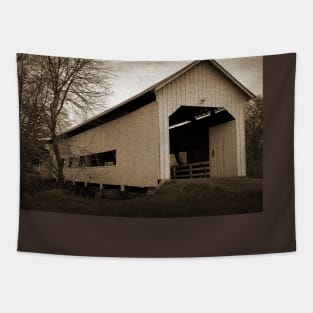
(133, 77)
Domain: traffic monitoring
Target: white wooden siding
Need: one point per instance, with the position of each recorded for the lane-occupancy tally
(202, 85)
(134, 136)
(223, 150)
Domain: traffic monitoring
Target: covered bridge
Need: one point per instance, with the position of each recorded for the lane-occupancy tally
(190, 124)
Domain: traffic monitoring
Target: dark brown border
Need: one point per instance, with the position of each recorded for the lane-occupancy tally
(272, 230)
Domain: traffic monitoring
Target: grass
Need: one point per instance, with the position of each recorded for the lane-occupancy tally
(176, 198)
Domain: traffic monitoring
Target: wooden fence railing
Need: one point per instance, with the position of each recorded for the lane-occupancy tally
(191, 170)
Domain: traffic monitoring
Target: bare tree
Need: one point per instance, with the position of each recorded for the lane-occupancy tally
(61, 88)
(254, 136)
(33, 131)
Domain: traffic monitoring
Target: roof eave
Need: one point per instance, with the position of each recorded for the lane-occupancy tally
(154, 88)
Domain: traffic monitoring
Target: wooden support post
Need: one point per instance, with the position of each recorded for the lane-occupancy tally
(100, 193)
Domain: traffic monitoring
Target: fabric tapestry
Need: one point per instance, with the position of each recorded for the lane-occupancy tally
(156, 158)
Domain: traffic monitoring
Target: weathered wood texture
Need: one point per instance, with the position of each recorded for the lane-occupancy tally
(134, 136)
(223, 150)
(141, 138)
(204, 86)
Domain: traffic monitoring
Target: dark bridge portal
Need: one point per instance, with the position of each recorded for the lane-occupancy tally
(189, 131)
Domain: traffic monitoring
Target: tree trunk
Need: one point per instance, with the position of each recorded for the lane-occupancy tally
(59, 161)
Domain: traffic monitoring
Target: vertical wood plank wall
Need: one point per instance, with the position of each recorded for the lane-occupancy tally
(222, 140)
(204, 86)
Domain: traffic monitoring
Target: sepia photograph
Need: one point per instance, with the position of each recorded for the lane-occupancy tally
(155, 157)
(141, 139)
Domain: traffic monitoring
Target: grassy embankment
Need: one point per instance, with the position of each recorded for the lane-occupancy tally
(179, 198)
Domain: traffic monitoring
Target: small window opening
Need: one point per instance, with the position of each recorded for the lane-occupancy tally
(82, 161)
(107, 158)
(70, 162)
